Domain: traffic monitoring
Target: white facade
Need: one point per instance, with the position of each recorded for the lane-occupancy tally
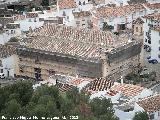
(153, 1)
(9, 33)
(9, 66)
(155, 45)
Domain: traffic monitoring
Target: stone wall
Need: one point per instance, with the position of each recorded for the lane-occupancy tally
(61, 64)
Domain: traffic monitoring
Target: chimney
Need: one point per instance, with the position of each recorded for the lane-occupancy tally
(121, 80)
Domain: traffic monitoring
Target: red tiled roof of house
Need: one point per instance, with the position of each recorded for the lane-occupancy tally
(99, 84)
(150, 104)
(153, 6)
(66, 4)
(6, 51)
(153, 16)
(82, 14)
(138, 21)
(156, 28)
(31, 15)
(83, 43)
(128, 90)
(118, 11)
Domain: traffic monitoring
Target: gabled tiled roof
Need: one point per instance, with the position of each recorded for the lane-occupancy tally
(128, 90)
(153, 16)
(99, 84)
(6, 51)
(66, 4)
(63, 87)
(153, 6)
(150, 104)
(156, 28)
(31, 15)
(82, 14)
(68, 40)
(138, 21)
(107, 12)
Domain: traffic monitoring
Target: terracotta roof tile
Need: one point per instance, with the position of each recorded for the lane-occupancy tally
(118, 11)
(150, 104)
(66, 4)
(6, 51)
(128, 90)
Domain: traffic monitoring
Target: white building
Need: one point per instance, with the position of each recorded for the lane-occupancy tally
(8, 60)
(10, 30)
(119, 18)
(155, 43)
(151, 34)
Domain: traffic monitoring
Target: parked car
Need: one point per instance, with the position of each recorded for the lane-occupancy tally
(149, 57)
(2, 76)
(154, 61)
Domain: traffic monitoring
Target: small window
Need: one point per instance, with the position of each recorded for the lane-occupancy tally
(1, 70)
(136, 29)
(145, 40)
(158, 56)
(64, 13)
(159, 41)
(141, 29)
(7, 31)
(20, 59)
(35, 20)
(84, 3)
(79, 2)
(83, 24)
(149, 41)
(12, 31)
(159, 33)
(152, 116)
(159, 48)
(21, 69)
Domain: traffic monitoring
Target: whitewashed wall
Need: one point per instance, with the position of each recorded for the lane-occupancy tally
(155, 44)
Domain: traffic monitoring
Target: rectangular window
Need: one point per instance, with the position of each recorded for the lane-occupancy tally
(21, 69)
(20, 59)
(136, 29)
(152, 116)
(149, 41)
(141, 30)
(158, 56)
(159, 33)
(51, 72)
(1, 70)
(159, 48)
(145, 40)
(159, 41)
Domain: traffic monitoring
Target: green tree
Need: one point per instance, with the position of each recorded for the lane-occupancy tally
(107, 27)
(45, 3)
(103, 109)
(141, 116)
(13, 39)
(12, 109)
